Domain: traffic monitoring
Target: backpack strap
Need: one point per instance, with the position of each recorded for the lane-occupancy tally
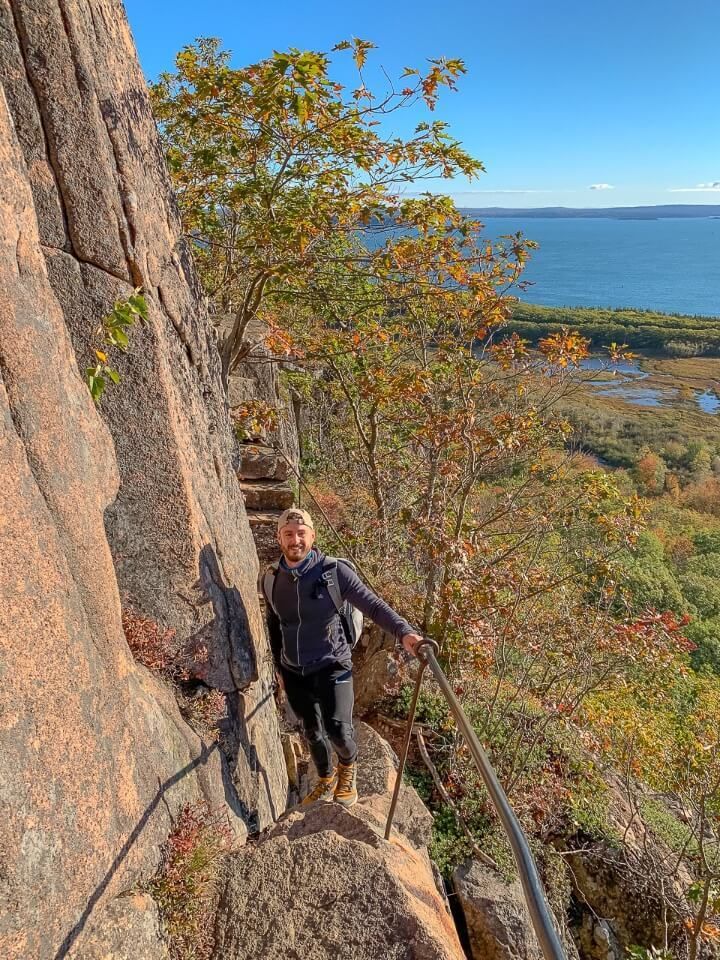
(329, 576)
(268, 584)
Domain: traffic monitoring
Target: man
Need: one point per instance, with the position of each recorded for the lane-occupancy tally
(312, 654)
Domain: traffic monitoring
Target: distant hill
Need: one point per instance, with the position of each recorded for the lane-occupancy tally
(678, 210)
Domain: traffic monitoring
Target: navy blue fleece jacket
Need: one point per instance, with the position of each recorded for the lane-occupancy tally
(305, 633)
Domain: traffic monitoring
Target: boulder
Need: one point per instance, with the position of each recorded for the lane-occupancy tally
(86, 112)
(181, 546)
(95, 758)
(597, 940)
(323, 883)
(497, 919)
(621, 893)
(376, 772)
(374, 667)
(107, 223)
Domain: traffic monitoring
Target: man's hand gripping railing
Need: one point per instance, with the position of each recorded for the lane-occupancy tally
(540, 914)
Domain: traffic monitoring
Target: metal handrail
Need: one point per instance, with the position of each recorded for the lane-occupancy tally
(537, 905)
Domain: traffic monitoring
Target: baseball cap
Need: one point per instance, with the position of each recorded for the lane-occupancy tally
(295, 515)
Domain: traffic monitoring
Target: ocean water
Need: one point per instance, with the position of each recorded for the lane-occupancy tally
(668, 265)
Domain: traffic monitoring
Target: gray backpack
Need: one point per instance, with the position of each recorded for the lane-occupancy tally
(350, 617)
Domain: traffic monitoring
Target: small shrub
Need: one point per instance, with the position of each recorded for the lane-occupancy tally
(432, 708)
(589, 804)
(186, 883)
(421, 780)
(204, 712)
(254, 419)
(706, 637)
(684, 348)
(153, 646)
(449, 846)
(113, 329)
(704, 496)
(330, 505)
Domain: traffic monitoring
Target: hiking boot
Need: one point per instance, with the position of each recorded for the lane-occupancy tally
(323, 790)
(346, 789)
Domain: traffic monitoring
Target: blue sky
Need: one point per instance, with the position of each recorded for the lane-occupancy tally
(576, 104)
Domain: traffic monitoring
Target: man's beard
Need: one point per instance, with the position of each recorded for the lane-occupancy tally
(297, 553)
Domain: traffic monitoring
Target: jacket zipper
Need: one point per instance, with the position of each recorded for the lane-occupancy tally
(297, 642)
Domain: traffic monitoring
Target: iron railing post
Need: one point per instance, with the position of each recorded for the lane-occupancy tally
(405, 748)
(538, 908)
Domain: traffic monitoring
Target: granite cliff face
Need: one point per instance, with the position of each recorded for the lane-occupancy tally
(135, 506)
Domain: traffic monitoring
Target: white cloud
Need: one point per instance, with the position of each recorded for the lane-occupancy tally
(601, 186)
(698, 188)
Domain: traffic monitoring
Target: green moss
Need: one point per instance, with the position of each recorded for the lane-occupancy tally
(450, 846)
(666, 826)
(590, 808)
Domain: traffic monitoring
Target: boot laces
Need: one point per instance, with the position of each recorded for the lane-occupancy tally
(322, 786)
(345, 778)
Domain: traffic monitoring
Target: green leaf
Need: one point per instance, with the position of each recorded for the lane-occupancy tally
(120, 339)
(139, 305)
(96, 384)
(122, 313)
(300, 106)
(695, 891)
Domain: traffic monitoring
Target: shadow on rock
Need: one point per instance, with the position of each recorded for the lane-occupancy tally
(221, 653)
(78, 928)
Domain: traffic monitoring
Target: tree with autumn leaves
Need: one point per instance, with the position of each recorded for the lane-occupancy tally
(293, 191)
(461, 493)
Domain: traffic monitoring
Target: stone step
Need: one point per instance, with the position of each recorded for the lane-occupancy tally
(262, 518)
(266, 546)
(263, 524)
(260, 462)
(267, 494)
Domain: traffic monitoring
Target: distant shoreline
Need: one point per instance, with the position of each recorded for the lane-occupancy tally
(665, 334)
(674, 211)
